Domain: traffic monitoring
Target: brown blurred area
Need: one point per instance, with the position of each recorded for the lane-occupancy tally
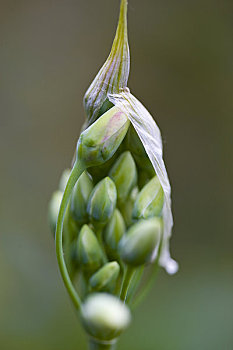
(182, 70)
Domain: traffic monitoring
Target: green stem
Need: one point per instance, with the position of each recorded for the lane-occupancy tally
(95, 344)
(76, 171)
(148, 286)
(135, 284)
(67, 242)
(126, 282)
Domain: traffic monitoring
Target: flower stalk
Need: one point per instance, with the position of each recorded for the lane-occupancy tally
(94, 344)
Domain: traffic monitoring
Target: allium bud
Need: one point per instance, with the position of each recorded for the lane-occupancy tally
(105, 278)
(90, 255)
(127, 207)
(79, 199)
(54, 206)
(102, 201)
(99, 142)
(124, 175)
(149, 202)
(137, 246)
(138, 151)
(71, 227)
(114, 231)
(104, 316)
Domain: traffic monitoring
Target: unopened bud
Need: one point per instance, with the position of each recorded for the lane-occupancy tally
(102, 201)
(124, 175)
(90, 255)
(53, 210)
(104, 316)
(149, 202)
(79, 199)
(71, 227)
(138, 245)
(105, 278)
(114, 231)
(138, 151)
(127, 207)
(100, 141)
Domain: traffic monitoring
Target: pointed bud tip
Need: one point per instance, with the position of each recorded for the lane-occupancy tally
(102, 201)
(114, 74)
(124, 175)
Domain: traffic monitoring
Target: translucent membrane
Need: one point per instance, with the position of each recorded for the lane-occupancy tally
(149, 133)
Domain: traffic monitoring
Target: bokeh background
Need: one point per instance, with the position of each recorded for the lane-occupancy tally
(182, 70)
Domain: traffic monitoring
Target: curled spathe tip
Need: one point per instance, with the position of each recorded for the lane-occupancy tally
(113, 75)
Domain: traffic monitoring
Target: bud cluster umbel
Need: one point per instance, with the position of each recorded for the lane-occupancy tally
(113, 222)
(107, 214)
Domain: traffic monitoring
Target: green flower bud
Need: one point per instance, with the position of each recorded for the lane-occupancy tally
(70, 234)
(102, 201)
(99, 142)
(124, 175)
(90, 255)
(63, 180)
(138, 151)
(149, 202)
(104, 316)
(105, 278)
(127, 207)
(79, 199)
(139, 244)
(99, 172)
(114, 231)
(70, 227)
(53, 210)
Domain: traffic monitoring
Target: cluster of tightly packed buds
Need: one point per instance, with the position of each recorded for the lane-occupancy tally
(112, 215)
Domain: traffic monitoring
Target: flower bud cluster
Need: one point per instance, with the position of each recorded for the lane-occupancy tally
(111, 214)
(112, 221)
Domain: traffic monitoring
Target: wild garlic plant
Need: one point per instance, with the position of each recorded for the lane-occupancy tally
(112, 212)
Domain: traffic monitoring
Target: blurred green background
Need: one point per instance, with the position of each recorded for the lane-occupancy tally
(182, 70)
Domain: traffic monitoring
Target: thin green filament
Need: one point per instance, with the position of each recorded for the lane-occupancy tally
(129, 271)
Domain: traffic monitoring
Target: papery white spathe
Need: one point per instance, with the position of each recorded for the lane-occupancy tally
(150, 135)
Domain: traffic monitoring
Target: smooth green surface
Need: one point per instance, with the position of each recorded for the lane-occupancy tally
(99, 142)
(149, 202)
(79, 198)
(89, 251)
(137, 247)
(105, 278)
(124, 175)
(182, 70)
(102, 202)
